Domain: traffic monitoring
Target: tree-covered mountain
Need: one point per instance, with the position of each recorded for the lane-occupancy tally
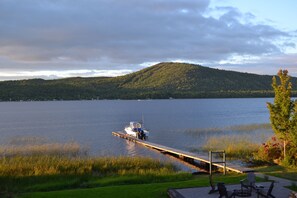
(164, 80)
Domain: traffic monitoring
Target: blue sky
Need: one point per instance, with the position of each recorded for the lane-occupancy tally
(278, 13)
(56, 39)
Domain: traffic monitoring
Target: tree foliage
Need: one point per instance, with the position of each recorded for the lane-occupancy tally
(283, 113)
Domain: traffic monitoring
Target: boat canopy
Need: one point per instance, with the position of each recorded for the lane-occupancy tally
(134, 125)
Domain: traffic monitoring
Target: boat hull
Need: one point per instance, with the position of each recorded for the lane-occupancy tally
(137, 134)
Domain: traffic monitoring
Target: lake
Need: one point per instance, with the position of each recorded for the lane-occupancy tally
(174, 123)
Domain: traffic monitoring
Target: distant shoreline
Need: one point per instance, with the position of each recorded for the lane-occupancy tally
(161, 81)
(147, 99)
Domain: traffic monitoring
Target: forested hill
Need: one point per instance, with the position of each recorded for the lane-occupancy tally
(164, 80)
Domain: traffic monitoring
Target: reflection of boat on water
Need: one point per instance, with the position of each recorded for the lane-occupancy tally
(135, 129)
(131, 149)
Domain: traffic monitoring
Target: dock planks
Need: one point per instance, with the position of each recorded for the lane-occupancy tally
(201, 158)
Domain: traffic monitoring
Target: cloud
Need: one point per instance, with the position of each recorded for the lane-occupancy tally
(113, 34)
(50, 74)
(264, 65)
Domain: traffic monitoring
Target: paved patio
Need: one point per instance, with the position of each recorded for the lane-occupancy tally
(279, 191)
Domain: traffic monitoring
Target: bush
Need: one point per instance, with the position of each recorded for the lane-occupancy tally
(271, 151)
(291, 157)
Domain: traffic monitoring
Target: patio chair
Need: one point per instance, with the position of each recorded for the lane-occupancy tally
(250, 182)
(223, 191)
(267, 194)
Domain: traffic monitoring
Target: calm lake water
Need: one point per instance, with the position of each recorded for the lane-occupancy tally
(90, 123)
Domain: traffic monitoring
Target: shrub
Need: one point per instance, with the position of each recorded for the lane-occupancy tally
(291, 157)
(271, 151)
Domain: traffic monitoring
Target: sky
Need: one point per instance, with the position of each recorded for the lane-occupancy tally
(52, 39)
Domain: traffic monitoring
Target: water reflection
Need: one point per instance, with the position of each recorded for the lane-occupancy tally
(131, 148)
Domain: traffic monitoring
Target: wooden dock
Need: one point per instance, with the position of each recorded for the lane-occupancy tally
(183, 154)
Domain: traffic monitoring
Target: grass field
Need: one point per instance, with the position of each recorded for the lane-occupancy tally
(157, 189)
(51, 175)
(279, 171)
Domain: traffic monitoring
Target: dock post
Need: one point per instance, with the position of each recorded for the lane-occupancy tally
(210, 162)
(224, 160)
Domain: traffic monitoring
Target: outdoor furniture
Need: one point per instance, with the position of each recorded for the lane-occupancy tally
(242, 193)
(223, 191)
(249, 182)
(267, 194)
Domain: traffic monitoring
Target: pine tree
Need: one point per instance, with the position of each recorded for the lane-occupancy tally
(283, 113)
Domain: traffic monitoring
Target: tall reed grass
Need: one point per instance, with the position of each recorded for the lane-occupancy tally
(37, 146)
(71, 149)
(30, 156)
(236, 128)
(236, 146)
(59, 165)
(31, 164)
(27, 140)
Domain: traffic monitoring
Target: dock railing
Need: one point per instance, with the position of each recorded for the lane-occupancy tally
(210, 156)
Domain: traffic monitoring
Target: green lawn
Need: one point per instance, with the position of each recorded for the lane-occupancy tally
(137, 190)
(294, 188)
(133, 190)
(279, 171)
(137, 186)
(60, 182)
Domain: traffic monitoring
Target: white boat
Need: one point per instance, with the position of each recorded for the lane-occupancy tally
(135, 129)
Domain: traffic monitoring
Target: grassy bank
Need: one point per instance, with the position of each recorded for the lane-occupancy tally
(31, 164)
(60, 176)
(65, 170)
(22, 166)
(35, 169)
(30, 173)
(112, 182)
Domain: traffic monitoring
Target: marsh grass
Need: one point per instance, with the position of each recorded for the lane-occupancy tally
(72, 149)
(37, 146)
(236, 128)
(27, 140)
(239, 141)
(30, 165)
(250, 127)
(46, 173)
(236, 146)
(41, 165)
